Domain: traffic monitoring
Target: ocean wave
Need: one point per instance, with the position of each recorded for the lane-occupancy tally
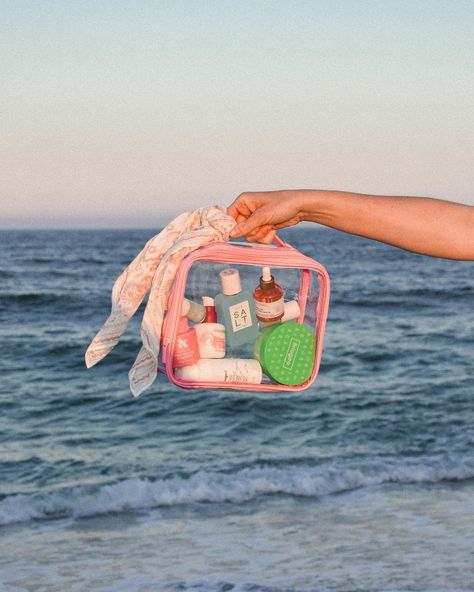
(230, 587)
(238, 487)
(206, 586)
(27, 298)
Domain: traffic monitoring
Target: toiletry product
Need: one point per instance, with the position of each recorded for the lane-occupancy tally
(268, 296)
(226, 370)
(211, 315)
(286, 353)
(210, 334)
(236, 310)
(291, 311)
(186, 350)
(193, 311)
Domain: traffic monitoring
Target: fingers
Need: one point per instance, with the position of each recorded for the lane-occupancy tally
(253, 213)
(262, 234)
(268, 238)
(241, 206)
(253, 223)
(233, 211)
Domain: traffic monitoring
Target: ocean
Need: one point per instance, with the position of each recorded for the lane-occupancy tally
(363, 482)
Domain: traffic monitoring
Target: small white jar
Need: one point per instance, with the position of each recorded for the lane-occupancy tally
(211, 340)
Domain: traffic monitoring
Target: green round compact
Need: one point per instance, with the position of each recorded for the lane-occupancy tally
(286, 353)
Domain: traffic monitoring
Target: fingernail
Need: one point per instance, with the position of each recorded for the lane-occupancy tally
(235, 231)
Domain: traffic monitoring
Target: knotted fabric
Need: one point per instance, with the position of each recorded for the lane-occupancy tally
(154, 270)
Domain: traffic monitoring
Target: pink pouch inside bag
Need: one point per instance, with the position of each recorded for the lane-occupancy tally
(254, 336)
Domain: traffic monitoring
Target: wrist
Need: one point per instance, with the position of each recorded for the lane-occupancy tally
(315, 205)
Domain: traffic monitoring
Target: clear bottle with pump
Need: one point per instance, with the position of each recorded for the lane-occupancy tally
(268, 296)
(236, 310)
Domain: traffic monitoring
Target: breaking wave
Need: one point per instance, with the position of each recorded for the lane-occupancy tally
(238, 487)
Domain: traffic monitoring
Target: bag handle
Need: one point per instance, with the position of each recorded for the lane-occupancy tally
(277, 240)
(279, 243)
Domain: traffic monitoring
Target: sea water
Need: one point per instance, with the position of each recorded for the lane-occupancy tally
(364, 482)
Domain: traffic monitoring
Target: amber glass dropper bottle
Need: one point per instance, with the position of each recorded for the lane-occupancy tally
(268, 297)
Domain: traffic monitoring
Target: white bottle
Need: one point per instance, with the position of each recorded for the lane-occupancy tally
(291, 311)
(210, 334)
(224, 370)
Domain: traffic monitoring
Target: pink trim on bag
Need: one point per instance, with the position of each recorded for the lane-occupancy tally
(281, 255)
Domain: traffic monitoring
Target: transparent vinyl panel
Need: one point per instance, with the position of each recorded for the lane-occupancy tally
(300, 295)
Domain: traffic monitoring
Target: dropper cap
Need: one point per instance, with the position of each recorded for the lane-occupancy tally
(266, 279)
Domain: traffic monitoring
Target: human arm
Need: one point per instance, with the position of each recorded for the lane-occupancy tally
(423, 225)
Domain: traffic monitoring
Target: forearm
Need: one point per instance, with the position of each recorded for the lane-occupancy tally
(422, 225)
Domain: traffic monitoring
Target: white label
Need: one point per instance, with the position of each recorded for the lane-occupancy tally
(269, 310)
(240, 316)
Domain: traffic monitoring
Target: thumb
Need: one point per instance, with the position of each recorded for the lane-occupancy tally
(244, 227)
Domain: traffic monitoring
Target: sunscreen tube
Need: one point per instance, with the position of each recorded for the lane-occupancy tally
(223, 370)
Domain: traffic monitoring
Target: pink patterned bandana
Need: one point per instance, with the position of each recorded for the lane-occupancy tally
(154, 269)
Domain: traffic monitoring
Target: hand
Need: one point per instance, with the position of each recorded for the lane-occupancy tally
(260, 214)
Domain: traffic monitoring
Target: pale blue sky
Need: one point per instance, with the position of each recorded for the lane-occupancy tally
(127, 112)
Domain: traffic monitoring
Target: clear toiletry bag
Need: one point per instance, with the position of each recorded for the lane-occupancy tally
(246, 317)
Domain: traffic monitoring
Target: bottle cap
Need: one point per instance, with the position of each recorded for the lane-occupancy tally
(207, 301)
(230, 280)
(286, 352)
(194, 311)
(267, 282)
(186, 306)
(291, 311)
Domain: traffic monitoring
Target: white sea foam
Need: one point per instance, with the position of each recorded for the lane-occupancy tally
(238, 487)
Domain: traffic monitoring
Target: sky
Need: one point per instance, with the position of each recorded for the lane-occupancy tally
(126, 113)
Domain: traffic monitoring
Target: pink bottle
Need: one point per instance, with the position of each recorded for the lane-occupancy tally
(186, 350)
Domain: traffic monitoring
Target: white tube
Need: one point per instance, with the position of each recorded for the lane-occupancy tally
(223, 370)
